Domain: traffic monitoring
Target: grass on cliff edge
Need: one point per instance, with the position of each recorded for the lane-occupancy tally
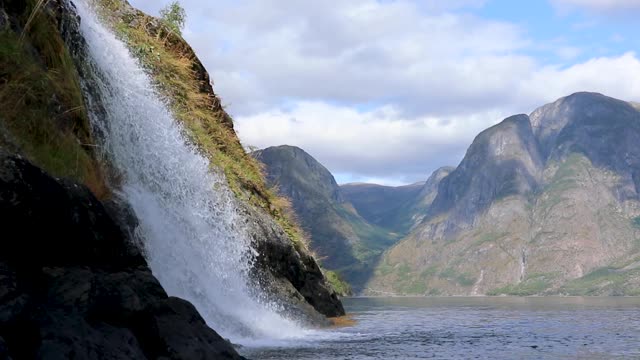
(341, 287)
(43, 113)
(174, 69)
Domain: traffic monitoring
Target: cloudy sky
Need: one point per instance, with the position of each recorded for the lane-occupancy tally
(387, 91)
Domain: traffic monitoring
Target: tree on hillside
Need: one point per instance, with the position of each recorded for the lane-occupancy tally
(174, 16)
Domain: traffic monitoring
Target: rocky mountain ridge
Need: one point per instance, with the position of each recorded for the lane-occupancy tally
(540, 204)
(545, 203)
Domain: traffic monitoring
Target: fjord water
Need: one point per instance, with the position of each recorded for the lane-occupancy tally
(193, 236)
(476, 328)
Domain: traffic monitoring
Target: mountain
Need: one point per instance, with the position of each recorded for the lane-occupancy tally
(340, 236)
(395, 208)
(541, 204)
(384, 206)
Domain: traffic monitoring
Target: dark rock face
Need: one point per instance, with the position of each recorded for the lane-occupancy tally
(604, 129)
(73, 286)
(290, 276)
(503, 160)
(298, 175)
(430, 188)
(510, 157)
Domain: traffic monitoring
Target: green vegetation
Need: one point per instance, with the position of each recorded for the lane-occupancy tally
(182, 80)
(384, 268)
(607, 279)
(374, 238)
(463, 279)
(533, 285)
(412, 287)
(406, 283)
(42, 103)
(174, 17)
(564, 178)
(403, 272)
(636, 222)
(429, 272)
(341, 287)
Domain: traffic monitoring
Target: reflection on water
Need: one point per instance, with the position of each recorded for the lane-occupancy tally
(475, 328)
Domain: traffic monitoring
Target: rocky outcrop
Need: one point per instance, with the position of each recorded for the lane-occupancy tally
(298, 174)
(420, 205)
(132, 17)
(540, 204)
(290, 276)
(503, 160)
(72, 285)
(603, 129)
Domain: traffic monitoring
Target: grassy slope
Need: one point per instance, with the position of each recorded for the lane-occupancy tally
(43, 113)
(181, 79)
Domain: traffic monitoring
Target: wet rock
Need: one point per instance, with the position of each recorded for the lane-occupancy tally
(4, 352)
(72, 286)
(290, 272)
(4, 20)
(172, 328)
(49, 223)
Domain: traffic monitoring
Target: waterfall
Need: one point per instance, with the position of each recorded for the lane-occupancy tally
(193, 235)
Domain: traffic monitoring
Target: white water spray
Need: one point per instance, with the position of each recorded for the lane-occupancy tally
(195, 243)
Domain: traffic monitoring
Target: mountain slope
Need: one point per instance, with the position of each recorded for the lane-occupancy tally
(397, 209)
(546, 203)
(384, 206)
(339, 235)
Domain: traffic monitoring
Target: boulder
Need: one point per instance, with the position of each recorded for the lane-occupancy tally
(74, 285)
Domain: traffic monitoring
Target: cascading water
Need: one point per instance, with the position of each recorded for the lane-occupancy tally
(189, 223)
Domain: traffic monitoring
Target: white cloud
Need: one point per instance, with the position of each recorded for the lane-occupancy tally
(353, 52)
(383, 144)
(608, 6)
(378, 143)
(384, 89)
(612, 76)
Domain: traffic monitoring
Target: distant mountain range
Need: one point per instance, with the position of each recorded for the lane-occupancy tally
(546, 203)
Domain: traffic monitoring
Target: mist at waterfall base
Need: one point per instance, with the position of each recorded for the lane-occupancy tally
(193, 236)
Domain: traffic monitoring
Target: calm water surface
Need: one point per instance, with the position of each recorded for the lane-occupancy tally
(473, 328)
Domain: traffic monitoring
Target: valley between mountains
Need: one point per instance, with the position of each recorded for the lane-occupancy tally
(541, 204)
